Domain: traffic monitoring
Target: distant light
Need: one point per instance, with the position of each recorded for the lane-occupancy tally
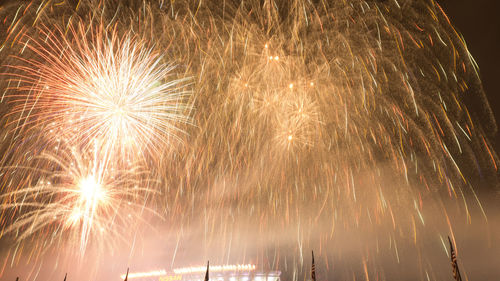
(193, 269)
(145, 274)
(215, 268)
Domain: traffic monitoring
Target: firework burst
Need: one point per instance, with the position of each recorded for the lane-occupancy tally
(91, 85)
(77, 200)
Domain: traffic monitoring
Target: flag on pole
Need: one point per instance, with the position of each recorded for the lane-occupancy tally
(206, 274)
(313, 268)
(454, 264)
(126, 276)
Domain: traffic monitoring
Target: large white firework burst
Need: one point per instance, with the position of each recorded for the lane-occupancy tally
(90, 85)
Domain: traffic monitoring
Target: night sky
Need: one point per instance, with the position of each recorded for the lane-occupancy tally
(479, 23)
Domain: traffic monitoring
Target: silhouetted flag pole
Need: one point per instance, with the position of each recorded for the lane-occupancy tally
(313, 268)
(206, 274)
(66, 275)
(126, 276)
(454, 265)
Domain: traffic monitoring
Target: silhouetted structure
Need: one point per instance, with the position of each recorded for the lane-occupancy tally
(313, 268)
(206, 274)
(454, 265)
(126, 276)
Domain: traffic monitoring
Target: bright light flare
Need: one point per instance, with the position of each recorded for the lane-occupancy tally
(91, 190)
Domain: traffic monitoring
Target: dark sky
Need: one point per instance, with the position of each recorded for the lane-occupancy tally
(479, 22)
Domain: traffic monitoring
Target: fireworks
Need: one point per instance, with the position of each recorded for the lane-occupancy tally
(79, 199)
(108, 89)
(276, 104)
